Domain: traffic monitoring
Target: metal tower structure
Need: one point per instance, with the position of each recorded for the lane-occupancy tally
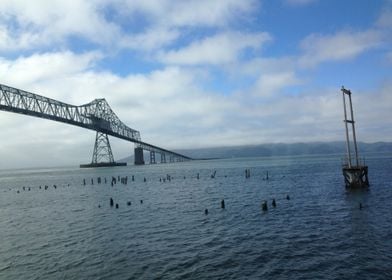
(102, 150)
(102, 153)
(96, 115)
(355, 173)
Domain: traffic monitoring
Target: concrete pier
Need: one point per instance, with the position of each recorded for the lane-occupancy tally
(152, 157)
(356, 176)
(139, 157)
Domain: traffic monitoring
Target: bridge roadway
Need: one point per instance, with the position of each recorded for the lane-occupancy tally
(96, 115)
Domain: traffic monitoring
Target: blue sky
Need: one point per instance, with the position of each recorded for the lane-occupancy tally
(197, 73)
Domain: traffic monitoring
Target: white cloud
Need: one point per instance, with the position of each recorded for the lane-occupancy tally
(10, 40)
(27, 25)
(222, 48)
(45, 67)
(178, 13)
(205, 12)
(341, 46)
(266, 65)
(30, 25)
(150, 39)
(271, 83)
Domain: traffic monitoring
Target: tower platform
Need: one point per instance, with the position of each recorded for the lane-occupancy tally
(356, 176)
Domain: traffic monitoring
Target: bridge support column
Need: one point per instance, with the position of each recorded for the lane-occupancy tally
(356, 176)
(152, 157)
(102, 154)
(163, 158)
(139, 158)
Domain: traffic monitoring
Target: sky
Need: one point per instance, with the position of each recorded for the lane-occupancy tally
(196, 73)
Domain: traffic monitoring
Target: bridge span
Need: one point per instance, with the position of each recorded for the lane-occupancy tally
(96, 115)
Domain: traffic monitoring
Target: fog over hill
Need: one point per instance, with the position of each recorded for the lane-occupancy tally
(279, 149)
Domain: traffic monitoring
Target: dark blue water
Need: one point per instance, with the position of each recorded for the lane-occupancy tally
(320, 233)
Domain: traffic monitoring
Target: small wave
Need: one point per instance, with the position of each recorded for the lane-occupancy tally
(5, 268)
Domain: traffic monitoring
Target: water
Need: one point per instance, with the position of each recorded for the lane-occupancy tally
(320, 233)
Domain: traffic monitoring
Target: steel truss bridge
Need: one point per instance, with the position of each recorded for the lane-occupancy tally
(96, 115)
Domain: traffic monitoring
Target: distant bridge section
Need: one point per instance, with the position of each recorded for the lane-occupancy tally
(96, 115)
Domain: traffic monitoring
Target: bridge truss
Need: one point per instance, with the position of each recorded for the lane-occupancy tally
(96, 115)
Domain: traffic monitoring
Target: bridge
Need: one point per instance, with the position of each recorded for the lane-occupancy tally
(96, 115)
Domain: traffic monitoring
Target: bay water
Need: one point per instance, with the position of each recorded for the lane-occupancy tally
(69, 230)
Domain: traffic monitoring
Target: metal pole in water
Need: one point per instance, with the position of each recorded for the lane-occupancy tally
(353, 126)
(344, 91)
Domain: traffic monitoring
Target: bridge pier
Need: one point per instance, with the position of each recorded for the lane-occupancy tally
(152, 157)
(139, 158)
(163, 158)
(102, 154)
(356, 176)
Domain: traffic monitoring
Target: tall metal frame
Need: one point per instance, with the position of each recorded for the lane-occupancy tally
(355, 173)
(352, 122)
(102, 150)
